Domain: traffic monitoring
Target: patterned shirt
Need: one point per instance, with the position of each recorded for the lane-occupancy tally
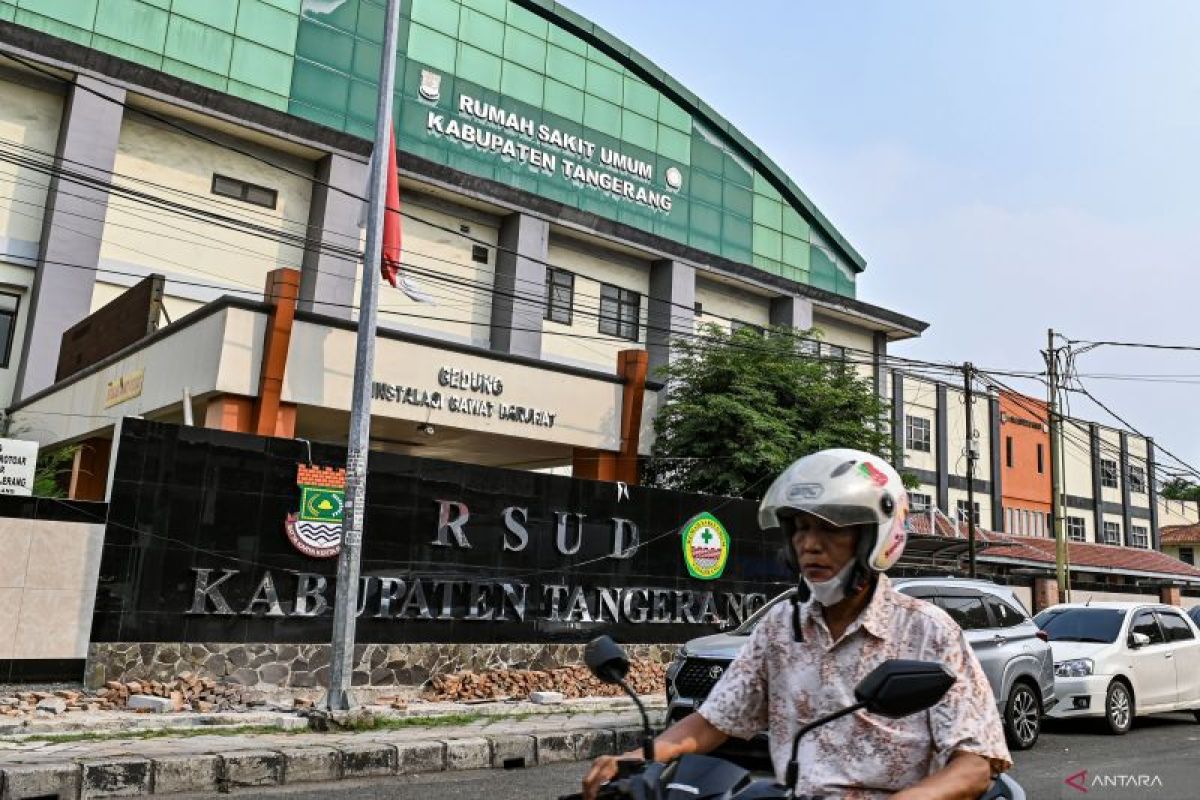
(776, 684)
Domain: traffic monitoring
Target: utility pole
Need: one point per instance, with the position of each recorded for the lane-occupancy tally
(341, 666)
(1061, 553)
(972, 454)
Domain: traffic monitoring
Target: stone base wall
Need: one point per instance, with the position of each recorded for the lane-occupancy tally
(269, 667)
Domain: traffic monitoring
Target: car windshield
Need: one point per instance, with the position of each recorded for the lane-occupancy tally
(1081, 624)
(747, 627)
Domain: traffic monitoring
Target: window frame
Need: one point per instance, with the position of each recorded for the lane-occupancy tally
(990, 599)
(1163, 614)
(1133, 623)
(975, 513)
(939, 599)
(6, 356)
(1135, 474)
(1071, 529)
(1191, 555)
(243, 195)
(911, 440)
(551, 284)
(621, 327)
(1110, 478)
(1139, 536)
(1008, 451)
(1041, 459)
(1105, 528)
(924, 506)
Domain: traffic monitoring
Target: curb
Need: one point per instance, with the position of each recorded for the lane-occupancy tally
(375, 757)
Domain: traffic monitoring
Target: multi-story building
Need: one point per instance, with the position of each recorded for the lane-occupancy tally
(564, 200)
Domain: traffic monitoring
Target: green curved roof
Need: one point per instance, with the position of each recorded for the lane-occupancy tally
(522, 92)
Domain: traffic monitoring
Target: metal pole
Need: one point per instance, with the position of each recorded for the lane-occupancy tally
(969, 398)
(1056, 472)
(341, 666)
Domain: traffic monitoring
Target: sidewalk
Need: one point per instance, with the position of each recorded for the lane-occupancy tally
(137, 756)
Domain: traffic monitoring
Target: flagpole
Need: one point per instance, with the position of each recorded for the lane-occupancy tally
(341, 665)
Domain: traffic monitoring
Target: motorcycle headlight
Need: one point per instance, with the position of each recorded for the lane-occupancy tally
(1074, 668)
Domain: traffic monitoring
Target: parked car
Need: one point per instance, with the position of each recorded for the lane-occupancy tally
(1194, 613)
(1119, 660)
(1015, 658)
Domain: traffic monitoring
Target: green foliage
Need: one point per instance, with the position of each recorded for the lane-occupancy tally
(52, 476)
(740, 407)
(1180, 489)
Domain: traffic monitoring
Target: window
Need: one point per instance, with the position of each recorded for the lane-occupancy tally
(699, 309)
(1005, 615)
(1008, 461)
(246, 192)
(1100, 625)
(1137, 478)
(1145, 623)
(919, 502)
(1175, 627)
(963, 511)
(810, 347)
(9, 305)
(619, 312)
(479, 254)
(1139, 536)
(1041, 459)
(736, 325)
(968, 612)
(916, 433)
(1076, 529)
(1187, 555)
(560, 294)
(1112, 532)
(1108, 474)
(834, 351)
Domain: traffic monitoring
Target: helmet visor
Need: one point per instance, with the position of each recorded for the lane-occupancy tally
(837, 516)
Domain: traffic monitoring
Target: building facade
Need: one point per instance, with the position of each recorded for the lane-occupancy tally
(564, 201)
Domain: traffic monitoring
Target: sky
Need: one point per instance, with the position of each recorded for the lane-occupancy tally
(1004, 167)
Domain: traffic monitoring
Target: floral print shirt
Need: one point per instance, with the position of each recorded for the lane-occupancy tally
(776, 684)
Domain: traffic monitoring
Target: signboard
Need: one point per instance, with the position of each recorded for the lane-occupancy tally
(450, 552)
(18, 463)
(124, 387)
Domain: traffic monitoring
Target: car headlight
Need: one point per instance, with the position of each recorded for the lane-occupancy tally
(1074, 668)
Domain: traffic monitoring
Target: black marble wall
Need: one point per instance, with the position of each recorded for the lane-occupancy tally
(187, 500)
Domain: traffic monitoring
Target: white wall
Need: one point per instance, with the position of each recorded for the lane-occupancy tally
(593, 266)
(48, 582)
(920, 400)
(140, 239)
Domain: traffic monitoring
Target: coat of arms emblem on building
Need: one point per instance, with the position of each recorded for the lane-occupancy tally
(316, 529)
(705, 547)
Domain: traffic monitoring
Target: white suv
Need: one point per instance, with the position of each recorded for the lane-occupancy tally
(1118, 660)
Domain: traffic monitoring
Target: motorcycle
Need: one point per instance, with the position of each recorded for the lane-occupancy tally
(896, 688)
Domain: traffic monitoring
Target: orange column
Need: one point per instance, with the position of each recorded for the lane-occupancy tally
(89, 472)
(605, 465)
(269, 419)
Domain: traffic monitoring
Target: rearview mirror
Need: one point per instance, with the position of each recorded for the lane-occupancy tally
(899, 687)
(1137, 640)
(606, 659)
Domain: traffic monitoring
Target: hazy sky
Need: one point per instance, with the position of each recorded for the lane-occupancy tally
(1004, 167)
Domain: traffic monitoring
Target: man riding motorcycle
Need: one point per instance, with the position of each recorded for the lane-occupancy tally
(842, 516)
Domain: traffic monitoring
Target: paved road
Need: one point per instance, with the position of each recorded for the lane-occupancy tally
(1162, 753)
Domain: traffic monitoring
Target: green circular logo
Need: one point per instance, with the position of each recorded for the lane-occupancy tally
(705, 546)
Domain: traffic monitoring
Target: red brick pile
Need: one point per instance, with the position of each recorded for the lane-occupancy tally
(646, 677)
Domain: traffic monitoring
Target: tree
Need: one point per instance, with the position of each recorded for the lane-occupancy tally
(1180, 489)
(53, 472)
(742, 406)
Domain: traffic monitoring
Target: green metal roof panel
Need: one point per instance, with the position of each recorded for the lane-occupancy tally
(565, 109)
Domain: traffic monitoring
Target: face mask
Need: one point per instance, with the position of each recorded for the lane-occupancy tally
(832, 591)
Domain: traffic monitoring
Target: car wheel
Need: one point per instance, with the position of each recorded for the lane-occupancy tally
(1022, 717)
(1118, 708)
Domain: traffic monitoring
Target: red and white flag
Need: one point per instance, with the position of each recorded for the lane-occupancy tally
(389, 265)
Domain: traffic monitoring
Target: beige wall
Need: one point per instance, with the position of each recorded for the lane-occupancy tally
(1077, 460)
(593, 266)
(141, 239)
(47, 587)
(1178, 512)
(722, 302)
(920, 400)
(835, 331)
(461, 307)
(29, 118)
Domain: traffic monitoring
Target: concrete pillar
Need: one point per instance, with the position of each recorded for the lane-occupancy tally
(1152, 494)
(1045, 593)
(878, 356)
(794, 312)
(670, 311)
(997, 465)
(1123, 471)
(518, 302)
(72, 228)
(281, 289)
(898, 417)
(1097, 487)
(942, 447)
(1170, 596)
(327, 279)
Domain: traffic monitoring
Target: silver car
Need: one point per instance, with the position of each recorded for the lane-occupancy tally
(1013, 652)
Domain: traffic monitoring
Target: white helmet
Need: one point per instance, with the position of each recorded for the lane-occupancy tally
(845, 488)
